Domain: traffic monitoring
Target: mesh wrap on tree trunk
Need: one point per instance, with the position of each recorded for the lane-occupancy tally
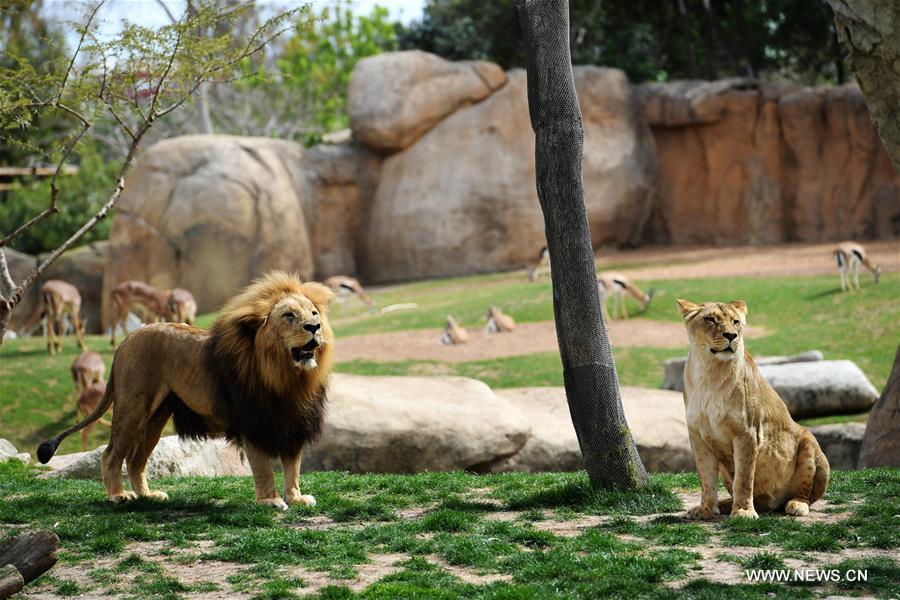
(592, 386)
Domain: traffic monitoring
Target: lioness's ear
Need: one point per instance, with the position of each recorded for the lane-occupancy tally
(740, 306)
(320, 295)
(688, 309)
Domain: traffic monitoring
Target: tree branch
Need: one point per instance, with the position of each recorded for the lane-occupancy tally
(5, 277)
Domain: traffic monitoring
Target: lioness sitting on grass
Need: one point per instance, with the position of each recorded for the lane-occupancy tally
(739, 426)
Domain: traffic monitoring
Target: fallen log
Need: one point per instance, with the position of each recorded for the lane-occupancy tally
(31, 554)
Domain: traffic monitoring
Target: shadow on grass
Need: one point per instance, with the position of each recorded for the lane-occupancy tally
(824, 294)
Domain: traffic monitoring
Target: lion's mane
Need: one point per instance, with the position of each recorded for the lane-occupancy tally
(262, 397)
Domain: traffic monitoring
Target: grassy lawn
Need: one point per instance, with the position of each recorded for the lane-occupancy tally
(798, 313)
(447, 535)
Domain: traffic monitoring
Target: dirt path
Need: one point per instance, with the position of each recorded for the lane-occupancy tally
(743, 261)
(528, 338)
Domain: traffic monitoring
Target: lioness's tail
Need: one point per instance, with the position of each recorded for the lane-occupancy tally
(48, 447)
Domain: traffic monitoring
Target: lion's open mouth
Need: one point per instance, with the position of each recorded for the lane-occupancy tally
(728, 349)
(305, 355)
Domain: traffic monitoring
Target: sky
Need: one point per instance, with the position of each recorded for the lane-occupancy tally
(149, 13)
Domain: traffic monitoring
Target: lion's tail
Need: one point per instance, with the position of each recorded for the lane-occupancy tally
(48, 447)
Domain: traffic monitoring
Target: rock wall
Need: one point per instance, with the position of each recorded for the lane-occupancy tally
(439, 179)
(744, 162)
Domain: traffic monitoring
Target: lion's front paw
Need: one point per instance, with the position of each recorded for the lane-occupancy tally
(124, 496)
(157, 495)
(295, 497)
(276, 502)
(744, 512)
(704, 513)
(797, 508)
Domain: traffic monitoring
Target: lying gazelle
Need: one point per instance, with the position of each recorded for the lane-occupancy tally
(181, 307)
(849, 255)
(453, 333)
(345, 286)
(613, 287)
(87, 369)
(58, 299)
(539, 265)
(128, 293)
(498, 321)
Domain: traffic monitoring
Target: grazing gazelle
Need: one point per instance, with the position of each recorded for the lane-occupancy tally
(498, 321)
(453, 333)
(87, 369)
(127, 293)
(344, 286)
(57, 299)
(539, 265)
(849, 255)
(613, 287)
(181, 307)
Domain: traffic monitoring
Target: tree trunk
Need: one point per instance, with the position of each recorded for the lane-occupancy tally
(32, 553)
(688, 39)
(869, 30)
(881, 444)
(592, 386)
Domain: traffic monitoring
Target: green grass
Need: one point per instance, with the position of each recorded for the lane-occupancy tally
(623, 556)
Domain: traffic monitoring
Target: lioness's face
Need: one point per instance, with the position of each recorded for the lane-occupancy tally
(297, 325)
(716, 327)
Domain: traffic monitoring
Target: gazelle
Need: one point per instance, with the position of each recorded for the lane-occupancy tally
(58, 298)
(136, 292)
(539, 265)
(344, 286)
(498, 321)
(181, 307)
(89, 400)
(453, 333)
(613, 287)
(849, 255)
(87, 369)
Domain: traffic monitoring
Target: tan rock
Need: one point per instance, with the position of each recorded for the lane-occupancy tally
(341, 178)
(415, 424)
(21, 265)
(656, 419)
(395, 97)
(748, 162)
(208, 214)
(881, 445)
(463, 200)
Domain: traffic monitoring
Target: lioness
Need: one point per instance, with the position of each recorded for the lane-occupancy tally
(739, 426)
(257, 377)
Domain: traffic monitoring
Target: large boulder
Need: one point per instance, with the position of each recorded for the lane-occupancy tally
(881, 446)
(817, 389)
(210, 213)
(171, 458)
(8, 451)
(743, 161)
(656, 419)
(463, 200)
(841, 443)
(673, 374)
(395, 97)
(340, 179)
(414, 424)
(83, 267)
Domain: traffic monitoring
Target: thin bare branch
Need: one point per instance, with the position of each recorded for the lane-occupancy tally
(168, 12)
(5, 277)
(165, 74)
(84, 32)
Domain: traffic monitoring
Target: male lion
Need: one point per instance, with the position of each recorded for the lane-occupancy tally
(257, 377)
(739, 426)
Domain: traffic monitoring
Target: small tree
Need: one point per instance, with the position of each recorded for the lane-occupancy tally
(136, 78)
